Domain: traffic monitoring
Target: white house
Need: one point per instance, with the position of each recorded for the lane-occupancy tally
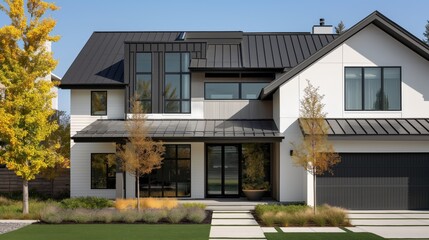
(209, 94)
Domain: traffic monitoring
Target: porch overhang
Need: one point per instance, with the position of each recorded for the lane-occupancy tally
(189, 130)
(380, 129)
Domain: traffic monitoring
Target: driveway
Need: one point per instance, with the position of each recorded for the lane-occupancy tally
(392, 224)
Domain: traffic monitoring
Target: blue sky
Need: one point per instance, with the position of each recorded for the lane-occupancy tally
(77, 19)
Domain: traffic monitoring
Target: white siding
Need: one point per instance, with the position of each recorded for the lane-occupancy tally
(80, 155)
(80, 170)
(369, 47)
(197, 170)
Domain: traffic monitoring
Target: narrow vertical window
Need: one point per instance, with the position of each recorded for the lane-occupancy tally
(177, 83)
(143, 87)
(103, 171)
(99, 103)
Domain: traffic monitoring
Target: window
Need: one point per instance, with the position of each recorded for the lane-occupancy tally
(143, 88)
(251, 90)
(99, 103)
(103, 171)
(373, 88)
(2, 165)
(177, 84)
(173, 179)
(222, 91)
(231, 91)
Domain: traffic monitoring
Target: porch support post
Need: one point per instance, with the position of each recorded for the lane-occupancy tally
(119, 179)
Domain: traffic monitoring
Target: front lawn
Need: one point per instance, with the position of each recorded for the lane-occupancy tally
(110, 231)
(322, 236)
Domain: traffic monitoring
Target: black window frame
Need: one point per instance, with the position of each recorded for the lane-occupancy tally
(92, 99)
(240, 97)
(107, 172)
(176, 159)
(151, 80)
(181, 73)
(363, 88)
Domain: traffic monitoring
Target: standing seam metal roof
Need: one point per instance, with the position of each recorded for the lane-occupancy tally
(101, 60)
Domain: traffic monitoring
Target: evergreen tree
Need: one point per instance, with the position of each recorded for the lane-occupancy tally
(426, 33)
(340, 28)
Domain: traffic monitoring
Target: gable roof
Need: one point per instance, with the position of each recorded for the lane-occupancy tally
(101, 61)
(375, 18)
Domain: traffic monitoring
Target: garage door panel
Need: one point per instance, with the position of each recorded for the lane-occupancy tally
(377, 181)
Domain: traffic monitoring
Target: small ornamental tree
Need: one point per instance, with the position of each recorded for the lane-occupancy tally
(426, 33)
(25, 109)
(315, 153)
(140, 155)
(340, 28)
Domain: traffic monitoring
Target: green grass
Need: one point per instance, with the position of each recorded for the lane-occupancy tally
(110, 231)
(322, 236)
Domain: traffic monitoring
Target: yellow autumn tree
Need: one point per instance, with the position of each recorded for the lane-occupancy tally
(25, 110)
(315, 153)
(140, 155)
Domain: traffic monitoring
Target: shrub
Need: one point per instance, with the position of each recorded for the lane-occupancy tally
(5, 201)
(299, 215)
(146, 203)
(52, 214)
(176, 215)
(268, 218)
(131, 216)
(152, 215)
(80, 215)
(196, 215)
(262, 208)
(86, 202)
(194, 205)
(107, 216)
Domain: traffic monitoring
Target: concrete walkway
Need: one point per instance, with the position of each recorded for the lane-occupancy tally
(234, 225)
(391, 224)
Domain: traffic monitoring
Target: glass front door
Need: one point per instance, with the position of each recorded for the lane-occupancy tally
(223, 171)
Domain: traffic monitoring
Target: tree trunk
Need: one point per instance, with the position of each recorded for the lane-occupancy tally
(314, 193)
(138, 192)
(24, 196)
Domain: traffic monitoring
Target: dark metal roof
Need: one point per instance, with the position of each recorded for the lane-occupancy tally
(412, 128)
(375, 18)
(186, 130)
(101, 61)
(263, 51)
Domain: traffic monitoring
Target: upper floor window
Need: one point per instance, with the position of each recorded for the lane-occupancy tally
(143, 87)
(177, 83)
(232, 91)
(99, 103)
(103, 171)
(373, 88)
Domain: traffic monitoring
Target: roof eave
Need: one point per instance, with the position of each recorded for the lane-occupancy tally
(92, 86)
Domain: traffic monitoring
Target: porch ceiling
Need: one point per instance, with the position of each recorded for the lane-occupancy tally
(189, 130)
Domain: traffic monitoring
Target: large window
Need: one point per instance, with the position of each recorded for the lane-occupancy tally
(98, 103)
(231, 91)
(177, 84)
(173, 179)
(143, 87)
(373, 88)
(103, 171)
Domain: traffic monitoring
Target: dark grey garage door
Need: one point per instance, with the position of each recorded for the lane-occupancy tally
(377, 181)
